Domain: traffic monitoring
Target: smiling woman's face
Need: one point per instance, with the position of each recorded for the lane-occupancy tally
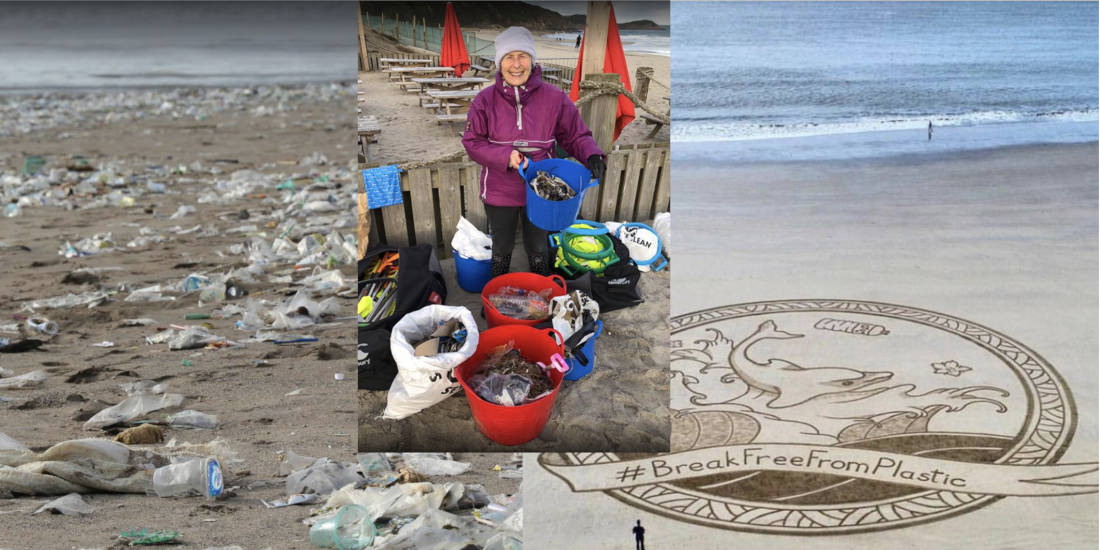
(515, 68)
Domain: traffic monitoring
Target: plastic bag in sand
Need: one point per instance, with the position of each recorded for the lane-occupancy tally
(132, 407)
(69, 505)
(322, 478)
(23, 381)
(404, 499)
(424, 381)
(432, 464)
(433, 530)
(9, 444)
(193, 337)
(193, 419)
(79, 466)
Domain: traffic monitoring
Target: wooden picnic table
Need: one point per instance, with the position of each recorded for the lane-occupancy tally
(368, 133)
(427, 72)
(399, 61)
(445, 84)
(449, 99)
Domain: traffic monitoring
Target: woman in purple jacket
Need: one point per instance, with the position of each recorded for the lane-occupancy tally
(520, 118)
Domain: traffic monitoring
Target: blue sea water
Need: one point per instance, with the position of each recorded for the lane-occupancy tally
(780, 81)
(91, 45)
(642, 41)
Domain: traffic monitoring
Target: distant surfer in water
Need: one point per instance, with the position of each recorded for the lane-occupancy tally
(929, 130)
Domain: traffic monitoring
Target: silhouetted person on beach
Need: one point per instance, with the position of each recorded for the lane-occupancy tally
(578, 41)
(929, 130)
(639, 536)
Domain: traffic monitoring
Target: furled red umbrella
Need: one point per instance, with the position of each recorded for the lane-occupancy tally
(614, 61)
(453, 52)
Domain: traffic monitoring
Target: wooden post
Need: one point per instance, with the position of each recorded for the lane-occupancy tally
(424, 33)
(641, 82)
(364, 224)
(595, 37)
(599, 113)
(397, 29)
(362, 41)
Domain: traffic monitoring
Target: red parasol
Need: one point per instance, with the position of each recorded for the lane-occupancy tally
(614, 61)
(453, 53)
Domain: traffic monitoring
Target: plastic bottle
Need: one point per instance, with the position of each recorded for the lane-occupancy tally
(12, 210)
(198, 476)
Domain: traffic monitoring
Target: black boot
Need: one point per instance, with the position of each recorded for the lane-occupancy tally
(500, 265)
(539, 263)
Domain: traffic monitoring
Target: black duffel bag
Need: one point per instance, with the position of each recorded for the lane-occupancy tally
(617, 287)
(419, 283)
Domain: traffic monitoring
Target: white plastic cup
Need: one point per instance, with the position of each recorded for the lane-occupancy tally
(198, 476)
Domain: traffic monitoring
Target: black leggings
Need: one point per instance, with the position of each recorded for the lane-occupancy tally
(502, 227)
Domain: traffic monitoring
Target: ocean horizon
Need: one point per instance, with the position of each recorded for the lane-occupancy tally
(811, 81)
(78, 46)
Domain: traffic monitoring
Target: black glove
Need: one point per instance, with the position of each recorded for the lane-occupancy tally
(597, 166)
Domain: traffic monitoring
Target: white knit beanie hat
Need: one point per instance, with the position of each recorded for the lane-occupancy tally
(514, 39)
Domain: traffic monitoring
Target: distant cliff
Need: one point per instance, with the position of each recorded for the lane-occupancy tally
(492, 14)
(477, 14)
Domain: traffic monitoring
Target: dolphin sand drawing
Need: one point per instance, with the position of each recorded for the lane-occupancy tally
(836, 401)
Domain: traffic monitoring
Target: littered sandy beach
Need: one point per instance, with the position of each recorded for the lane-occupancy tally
(1005, 238)
(411, 133)
(267, 397)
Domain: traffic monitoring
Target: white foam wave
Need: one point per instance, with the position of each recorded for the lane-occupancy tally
(683, 131)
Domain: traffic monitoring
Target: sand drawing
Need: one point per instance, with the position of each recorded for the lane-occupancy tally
(790, 410)
(837, 402)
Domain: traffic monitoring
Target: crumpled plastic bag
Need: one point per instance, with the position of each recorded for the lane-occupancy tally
(403, 499)
(470, 242)
(662, 224)
(69, 505)
(193, 337)
(432, 464)
(23, 381)
(10, 444)
(507, 390)
(132, 407)
(424, 381)
(324, 477)
(193, 419)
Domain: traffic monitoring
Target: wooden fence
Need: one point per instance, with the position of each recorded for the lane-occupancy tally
(375, 54)
(636, 188)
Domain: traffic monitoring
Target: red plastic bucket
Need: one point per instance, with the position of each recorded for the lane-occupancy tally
(526, 281)
(522, 423)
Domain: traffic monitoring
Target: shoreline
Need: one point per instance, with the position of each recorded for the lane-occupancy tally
(22, 92)
(898, 159)
(885, 144)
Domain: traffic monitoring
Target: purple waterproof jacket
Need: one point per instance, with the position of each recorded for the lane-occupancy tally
(529, 119)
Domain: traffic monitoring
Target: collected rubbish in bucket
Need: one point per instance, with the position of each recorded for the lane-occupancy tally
(506, 378)
(524, 422)
(424, 379)
(555, 215)
(470, 242)
(532, 284)
(472, 251)
(575, 317)
(519, 303)
(551, 188)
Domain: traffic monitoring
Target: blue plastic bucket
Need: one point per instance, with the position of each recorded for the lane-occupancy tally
(556, 215)
(576, 369)
(472, 274)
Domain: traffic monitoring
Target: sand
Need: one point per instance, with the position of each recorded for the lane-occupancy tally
(622, 404)
(1006, 238)
(246, 387)
(411, 133)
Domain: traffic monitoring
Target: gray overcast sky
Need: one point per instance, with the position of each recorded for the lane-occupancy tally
(624, 11)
